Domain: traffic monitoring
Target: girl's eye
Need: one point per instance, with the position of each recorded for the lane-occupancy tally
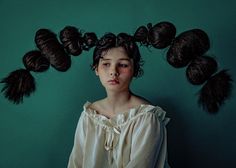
(106, 64)
(123, 65)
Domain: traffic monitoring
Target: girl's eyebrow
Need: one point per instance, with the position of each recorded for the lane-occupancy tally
(104, 59)
(107, 59)
(127, 59)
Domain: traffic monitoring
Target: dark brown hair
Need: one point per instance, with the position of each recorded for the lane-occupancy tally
(123, 40)
(188, 49)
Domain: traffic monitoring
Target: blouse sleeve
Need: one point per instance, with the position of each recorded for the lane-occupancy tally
(149, 146)
(76, 156)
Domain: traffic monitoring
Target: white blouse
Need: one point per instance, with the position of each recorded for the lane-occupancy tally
(133, 139)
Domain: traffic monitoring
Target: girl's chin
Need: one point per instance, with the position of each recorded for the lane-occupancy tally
(115, 88)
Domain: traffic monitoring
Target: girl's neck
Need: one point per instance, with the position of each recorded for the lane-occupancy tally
(115, 100)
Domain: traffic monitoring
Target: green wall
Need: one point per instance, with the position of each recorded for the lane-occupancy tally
(39, 133)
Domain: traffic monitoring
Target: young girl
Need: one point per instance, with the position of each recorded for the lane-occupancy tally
(121, 130)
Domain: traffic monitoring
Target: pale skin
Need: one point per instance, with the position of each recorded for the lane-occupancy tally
(115, 71)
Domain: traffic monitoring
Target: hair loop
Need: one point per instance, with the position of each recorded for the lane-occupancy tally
(90, 40)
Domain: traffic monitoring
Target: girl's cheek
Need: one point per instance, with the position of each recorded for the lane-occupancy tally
(126, 71)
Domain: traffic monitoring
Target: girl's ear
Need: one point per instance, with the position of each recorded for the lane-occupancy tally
(96, 71)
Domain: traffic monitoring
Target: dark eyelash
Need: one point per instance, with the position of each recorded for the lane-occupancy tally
(124, 65)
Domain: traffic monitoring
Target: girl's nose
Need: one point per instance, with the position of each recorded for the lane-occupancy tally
(114, 72)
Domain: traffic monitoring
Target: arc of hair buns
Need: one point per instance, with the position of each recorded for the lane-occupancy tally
(186, 49)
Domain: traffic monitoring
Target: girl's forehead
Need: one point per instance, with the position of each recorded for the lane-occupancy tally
(115, 54)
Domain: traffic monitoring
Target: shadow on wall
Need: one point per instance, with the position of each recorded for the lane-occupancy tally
(178, 151)
(182, 152)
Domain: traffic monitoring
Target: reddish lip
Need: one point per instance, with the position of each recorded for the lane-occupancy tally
(113, 81)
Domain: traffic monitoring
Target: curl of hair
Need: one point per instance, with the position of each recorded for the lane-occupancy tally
(18, 84)
(127, 42)
(123, 40)
(107, 41)
(201, 69)
(187, 46)
(104, 43)
(50, 48)
(90, 40)
(214, 93)
(34, 61)
(159, 36)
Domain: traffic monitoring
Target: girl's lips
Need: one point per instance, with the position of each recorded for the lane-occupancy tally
(113, 82)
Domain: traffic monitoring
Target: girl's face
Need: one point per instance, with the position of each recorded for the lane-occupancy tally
(115, 69)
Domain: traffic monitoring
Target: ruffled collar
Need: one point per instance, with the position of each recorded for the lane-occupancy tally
(123, 117)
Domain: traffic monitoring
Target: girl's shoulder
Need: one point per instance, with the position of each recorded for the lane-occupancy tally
(138, 100)
(97, 105)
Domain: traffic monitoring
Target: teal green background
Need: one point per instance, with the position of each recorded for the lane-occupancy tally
(39, 133)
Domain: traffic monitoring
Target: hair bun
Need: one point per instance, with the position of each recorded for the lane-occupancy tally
(187, 46)
(72, 40)
(200, 69)
(50, 48)
(161, 35)
(34, 61)
(141, 35)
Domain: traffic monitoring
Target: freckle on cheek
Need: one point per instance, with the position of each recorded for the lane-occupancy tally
(126, 71)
